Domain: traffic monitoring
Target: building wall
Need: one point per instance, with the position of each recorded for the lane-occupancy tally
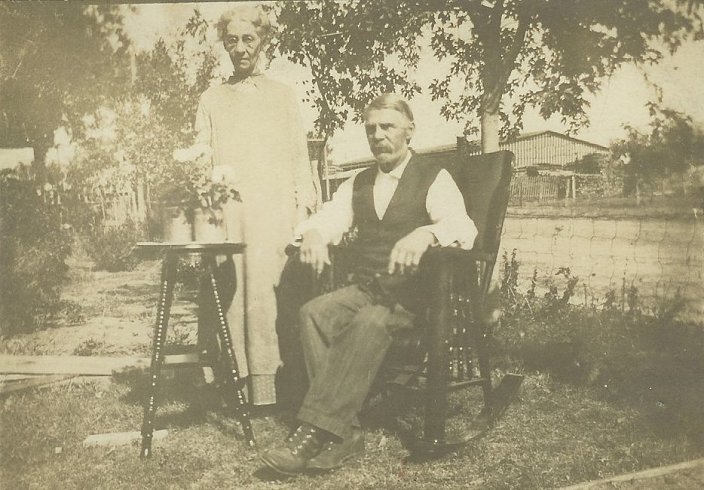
(531, 150)
(549, 149)
(12, 157)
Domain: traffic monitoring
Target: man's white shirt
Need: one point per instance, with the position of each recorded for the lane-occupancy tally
(444, 204)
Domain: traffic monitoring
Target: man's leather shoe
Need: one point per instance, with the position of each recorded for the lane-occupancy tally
(335, 454)
(292, 456)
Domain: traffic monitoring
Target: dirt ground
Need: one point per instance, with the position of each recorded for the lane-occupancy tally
(118, 312)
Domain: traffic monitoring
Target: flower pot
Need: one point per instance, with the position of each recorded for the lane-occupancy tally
(232, 218)
(208, 225)
(176, 227)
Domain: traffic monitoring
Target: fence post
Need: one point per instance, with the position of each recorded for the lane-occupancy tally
(520, 195)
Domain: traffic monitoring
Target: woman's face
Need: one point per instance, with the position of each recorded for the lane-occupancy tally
(243, 44)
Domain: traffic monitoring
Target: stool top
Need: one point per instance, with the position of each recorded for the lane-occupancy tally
(224, 248)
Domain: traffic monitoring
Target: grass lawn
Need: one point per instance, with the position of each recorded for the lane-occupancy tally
(555, 434)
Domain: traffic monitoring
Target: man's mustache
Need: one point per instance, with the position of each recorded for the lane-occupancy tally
(381, 149)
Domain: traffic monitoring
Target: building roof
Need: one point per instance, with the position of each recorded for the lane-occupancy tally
(12, 157)
(363, 162)
(525, 136)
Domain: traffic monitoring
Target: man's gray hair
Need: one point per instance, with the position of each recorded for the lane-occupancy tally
(390, 101)
(253, 14)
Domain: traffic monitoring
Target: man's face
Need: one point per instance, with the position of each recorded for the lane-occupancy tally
(388, 134)
(243, 44)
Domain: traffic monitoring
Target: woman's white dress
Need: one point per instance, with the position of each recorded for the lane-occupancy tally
(255, 131)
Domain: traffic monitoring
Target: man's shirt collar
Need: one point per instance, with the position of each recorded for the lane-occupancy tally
(397, 172)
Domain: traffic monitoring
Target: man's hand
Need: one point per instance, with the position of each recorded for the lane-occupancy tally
(408, 251)
(314, 250)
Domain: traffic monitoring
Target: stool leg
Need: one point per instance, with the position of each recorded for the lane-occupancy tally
(233, 379)
(168, 273)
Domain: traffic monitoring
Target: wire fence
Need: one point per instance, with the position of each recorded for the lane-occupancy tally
(538, 188)
(659, 261)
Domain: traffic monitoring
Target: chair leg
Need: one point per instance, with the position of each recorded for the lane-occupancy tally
(433, 439)
(484, 367)
(233, 381)
(168, 278)
(481, 331)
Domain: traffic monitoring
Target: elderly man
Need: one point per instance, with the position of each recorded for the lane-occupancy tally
(399, 207)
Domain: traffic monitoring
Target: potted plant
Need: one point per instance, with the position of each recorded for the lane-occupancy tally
(175, 205)
(216, 218)
(193, 195)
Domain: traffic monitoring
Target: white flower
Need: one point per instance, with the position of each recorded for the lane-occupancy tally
(88, 120)
(192, 153)
(223, 173)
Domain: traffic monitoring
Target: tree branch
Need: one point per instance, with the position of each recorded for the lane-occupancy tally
(315, 70)
(493, 92)
(518, 41)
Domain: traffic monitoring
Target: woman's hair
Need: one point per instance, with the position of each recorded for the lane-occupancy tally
(390, 101)
(253, 14)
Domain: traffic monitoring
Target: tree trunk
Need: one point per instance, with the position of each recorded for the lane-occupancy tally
(490, 131)
(41, 148)
(323, 169)
(684, 184)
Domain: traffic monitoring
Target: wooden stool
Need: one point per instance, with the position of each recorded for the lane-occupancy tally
(232, 381)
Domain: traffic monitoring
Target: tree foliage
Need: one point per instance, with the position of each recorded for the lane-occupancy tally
(132, 138)
(516, 54)
(673, 145)
(505, 56)
(58, 60)
(355, 51)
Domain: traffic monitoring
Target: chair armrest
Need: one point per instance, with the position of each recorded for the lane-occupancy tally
(324, 282)
(292, 250)
(434, 254)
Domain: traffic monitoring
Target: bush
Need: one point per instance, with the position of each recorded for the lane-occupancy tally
(110, 248)
(33, 251)
(607, 346)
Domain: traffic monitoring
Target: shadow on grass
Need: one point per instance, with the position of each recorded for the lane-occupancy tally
(401, 414)
(655, 368)
(183, 400)
(176, 384)
(270, 475)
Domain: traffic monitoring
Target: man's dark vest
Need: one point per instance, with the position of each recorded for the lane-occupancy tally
(371, 248)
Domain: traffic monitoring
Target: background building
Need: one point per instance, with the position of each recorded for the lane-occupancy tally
(547, 163)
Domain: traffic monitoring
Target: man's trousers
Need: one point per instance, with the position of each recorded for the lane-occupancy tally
(345, 335)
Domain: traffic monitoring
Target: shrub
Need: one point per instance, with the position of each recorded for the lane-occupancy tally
(79, 214)
(605, 346)
(33, 251)
(110, 248)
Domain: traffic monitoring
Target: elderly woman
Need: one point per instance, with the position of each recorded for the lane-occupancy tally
(254, 128)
